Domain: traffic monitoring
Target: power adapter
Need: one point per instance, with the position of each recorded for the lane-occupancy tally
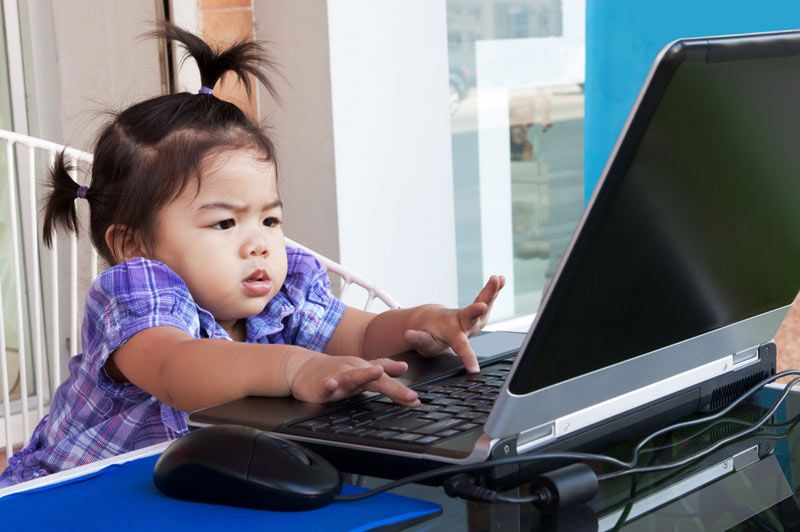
(550, 492)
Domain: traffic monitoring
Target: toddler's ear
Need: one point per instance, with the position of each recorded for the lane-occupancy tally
(124, 243)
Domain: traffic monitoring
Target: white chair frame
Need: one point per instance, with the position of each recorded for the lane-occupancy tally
(17, 431)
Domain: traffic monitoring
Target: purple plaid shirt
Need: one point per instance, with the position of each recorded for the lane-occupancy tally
(93, 417)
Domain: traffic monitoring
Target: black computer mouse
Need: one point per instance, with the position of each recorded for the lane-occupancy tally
(243, 466)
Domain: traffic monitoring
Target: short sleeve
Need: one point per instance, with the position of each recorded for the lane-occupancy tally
(317, 311)
(129, 298)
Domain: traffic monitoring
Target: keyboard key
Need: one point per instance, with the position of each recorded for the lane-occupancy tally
(407, 437)
(407, 424)
(312, 424)
(448, 433)
(380, 414)
(372, 406)
(455, 410)
(386, 434)
(445, 402)
(465, 396)
(427, 397)
(357, 431)
(437, 416)
(425, 440)
(439, 426)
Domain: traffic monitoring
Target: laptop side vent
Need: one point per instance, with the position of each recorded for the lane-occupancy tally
(724, 395)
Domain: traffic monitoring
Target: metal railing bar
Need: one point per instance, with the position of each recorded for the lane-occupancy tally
(37, 289)
(5, 381)
(12, 193)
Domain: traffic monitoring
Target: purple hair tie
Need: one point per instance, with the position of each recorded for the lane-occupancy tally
(205, 90)
(81, 193)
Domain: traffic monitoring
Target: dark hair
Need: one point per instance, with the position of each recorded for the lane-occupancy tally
(148, 153)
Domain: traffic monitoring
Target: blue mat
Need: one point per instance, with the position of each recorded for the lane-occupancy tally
(123, 497)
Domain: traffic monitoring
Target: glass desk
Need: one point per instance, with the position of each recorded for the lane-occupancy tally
(749, 484)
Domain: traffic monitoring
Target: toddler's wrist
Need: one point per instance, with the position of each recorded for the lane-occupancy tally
(293, 361)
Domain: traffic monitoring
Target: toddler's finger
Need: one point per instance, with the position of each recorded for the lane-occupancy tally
(469, 316)
(393, 368)
(465, 352)
(501, 282)
(354, 379)
(489, 290)
(395, 390)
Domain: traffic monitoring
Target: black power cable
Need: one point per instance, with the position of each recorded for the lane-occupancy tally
(468, 468)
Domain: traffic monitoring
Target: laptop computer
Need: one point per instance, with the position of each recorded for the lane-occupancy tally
(680, 271)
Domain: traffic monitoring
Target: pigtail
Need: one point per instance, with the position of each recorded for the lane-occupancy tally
(243, 58)
(59, 211)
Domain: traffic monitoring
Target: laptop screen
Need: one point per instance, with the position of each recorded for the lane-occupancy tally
(697, 225)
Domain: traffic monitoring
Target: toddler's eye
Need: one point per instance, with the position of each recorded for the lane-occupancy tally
(224, 224)
(271, 221)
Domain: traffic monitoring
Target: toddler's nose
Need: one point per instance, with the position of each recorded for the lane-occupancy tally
(256, 247)
(259, 249)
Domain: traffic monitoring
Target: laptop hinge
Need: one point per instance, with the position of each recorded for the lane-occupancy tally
(746, 356)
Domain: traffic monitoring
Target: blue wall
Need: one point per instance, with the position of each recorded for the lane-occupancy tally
(623, 38)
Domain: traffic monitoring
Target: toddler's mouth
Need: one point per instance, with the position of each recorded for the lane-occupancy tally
(257, 283)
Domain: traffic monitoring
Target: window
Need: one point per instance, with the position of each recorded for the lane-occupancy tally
(517, 108)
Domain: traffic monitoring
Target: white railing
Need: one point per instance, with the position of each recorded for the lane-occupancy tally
(16, 144)
(13, 434)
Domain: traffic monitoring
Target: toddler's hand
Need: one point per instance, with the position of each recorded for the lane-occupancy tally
(441, 328)
(325, 378)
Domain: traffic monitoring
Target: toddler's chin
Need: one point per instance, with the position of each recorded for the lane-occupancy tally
(257, 304)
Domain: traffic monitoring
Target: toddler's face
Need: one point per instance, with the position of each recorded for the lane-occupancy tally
(226, 240)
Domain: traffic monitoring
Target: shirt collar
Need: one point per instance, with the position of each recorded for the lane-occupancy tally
(270, 320)
(267, 322)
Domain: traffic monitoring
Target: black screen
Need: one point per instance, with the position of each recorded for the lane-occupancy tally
(697, 227)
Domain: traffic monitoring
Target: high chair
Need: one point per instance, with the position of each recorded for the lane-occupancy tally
(42, 291)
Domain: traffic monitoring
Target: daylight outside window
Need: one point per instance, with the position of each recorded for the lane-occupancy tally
(516, 72)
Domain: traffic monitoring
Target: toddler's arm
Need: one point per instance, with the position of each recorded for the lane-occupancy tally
(430, 329)
(189, 374)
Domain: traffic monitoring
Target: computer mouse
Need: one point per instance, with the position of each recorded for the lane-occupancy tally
(243, 466)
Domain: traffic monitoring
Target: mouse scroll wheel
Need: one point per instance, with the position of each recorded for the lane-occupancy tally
(297, 454)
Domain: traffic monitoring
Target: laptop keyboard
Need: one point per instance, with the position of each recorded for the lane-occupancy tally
(448, 408)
